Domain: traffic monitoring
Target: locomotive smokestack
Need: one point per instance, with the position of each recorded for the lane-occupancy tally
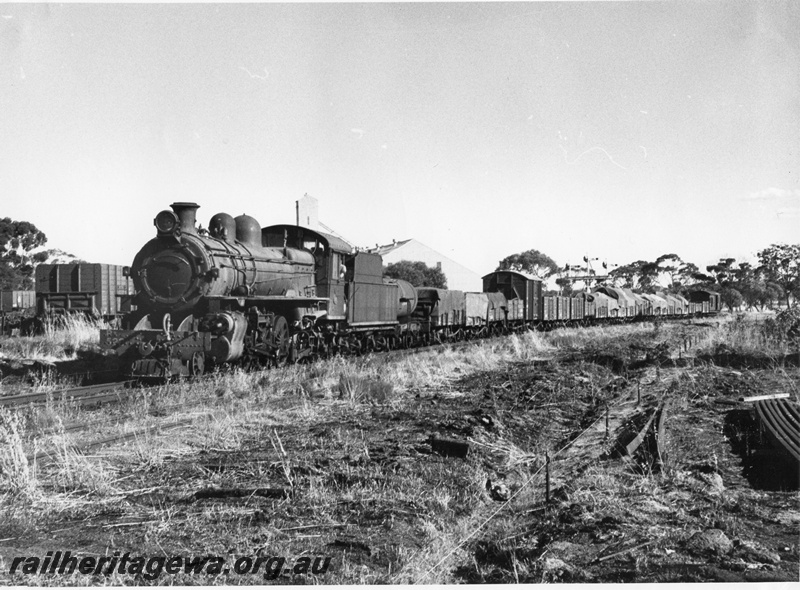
(187, 213)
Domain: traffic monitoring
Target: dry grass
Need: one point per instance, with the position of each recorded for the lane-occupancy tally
(763, 338)
(16, 477)
(73, 331)
(77, 473)
(61, 339)
(599, 336)
(229, 404)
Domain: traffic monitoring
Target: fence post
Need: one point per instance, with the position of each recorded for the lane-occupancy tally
(547, 477)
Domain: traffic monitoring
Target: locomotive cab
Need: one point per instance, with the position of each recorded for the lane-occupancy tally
(330, 254)
(352, 282)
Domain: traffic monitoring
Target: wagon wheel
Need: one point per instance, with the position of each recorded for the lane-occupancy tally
(197, 365)
(281, 340)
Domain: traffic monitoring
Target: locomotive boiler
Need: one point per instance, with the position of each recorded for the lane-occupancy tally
(182, 270)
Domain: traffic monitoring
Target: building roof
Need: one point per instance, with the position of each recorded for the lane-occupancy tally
(384, 250)
(458, 276)
(524, 275)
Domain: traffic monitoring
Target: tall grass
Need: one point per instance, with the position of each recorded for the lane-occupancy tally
(61, 338)
(73, 331)
(747, 336)
(598, 336)
(15, 475)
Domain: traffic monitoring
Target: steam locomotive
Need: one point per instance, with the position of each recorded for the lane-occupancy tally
(237, 293)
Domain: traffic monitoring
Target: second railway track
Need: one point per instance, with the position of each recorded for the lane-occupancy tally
(83, 395)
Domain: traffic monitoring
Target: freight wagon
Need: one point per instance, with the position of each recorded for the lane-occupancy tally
(13, 305)
(16, 300)
(98, 290)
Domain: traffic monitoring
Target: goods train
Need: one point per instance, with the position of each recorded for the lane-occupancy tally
(237, 293)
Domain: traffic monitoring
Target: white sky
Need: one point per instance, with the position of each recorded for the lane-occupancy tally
(621, 130)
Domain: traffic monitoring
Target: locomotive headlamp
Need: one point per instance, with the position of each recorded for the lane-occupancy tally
(166, 222)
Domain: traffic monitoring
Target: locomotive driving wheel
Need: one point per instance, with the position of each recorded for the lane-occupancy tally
(280, 340)
(381, 343)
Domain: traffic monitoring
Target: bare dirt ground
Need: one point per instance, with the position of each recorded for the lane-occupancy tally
(364, 461)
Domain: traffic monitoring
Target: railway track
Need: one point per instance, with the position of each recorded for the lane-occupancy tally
(117, 391)
(48, 455)
(83, 396)
(103, 393)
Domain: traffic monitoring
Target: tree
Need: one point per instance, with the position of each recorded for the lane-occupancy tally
(636, 275)
(722, 271)
(781, 265)
(751, 283)
(699, 279)
(773, 292)
(417, 273)
(731, 297)
(565, 287)
(532, 262)
(688, 274)
(17, 239)
(670, 264)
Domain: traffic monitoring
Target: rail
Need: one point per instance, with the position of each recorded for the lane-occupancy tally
(781, 419)
(50, 454)
(85, 395)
